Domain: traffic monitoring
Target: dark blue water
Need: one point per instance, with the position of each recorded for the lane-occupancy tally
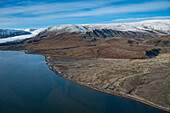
(27, 85)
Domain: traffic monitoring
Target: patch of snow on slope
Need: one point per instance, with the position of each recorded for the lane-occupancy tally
(21, 37)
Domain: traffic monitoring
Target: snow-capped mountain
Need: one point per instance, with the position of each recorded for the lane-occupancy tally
(138, 30)
(144, 26)
(4, 33)
(17, 34)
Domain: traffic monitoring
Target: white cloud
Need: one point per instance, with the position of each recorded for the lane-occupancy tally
(139, 19)
(143, 7)
(42, 12)
(44, 8)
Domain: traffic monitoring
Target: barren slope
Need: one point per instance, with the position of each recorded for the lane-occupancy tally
(145, 80)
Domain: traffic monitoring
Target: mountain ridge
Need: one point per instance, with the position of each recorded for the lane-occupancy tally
(162, 25)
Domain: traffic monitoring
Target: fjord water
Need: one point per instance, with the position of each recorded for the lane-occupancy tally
(27, 85)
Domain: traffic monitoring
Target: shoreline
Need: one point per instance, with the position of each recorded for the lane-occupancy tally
(114, 93)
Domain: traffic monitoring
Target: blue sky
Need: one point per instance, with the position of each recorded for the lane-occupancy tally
(46, 13)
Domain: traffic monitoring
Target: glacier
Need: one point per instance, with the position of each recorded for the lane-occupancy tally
(33, 32)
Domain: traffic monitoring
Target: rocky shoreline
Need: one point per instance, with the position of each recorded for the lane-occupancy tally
(69, 68)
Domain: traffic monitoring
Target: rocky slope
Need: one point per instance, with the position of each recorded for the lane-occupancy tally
(144, 80)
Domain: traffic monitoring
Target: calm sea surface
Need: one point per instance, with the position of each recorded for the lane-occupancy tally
(27, 85)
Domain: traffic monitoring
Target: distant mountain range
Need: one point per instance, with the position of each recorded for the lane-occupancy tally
(7, 35)
(4, 33)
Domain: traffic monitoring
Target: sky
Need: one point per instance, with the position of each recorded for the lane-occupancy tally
(46, 13)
